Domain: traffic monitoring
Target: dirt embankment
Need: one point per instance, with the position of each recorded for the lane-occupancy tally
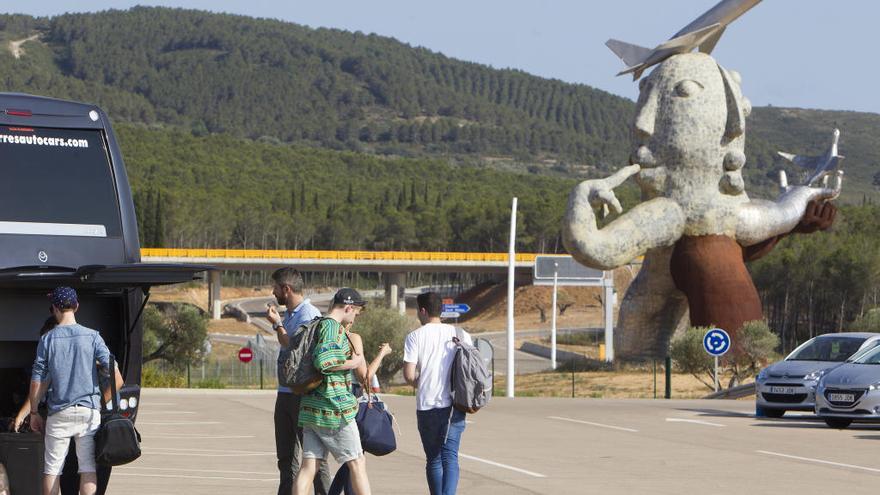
(198, 295)
(578, 306)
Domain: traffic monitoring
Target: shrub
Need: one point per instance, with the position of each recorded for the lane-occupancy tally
(687, 351)
(153, 377)
(758, 346)
(868, 322)
(378, 325)
(176, 335)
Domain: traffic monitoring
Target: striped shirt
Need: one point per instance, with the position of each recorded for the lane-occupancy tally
(332, 404)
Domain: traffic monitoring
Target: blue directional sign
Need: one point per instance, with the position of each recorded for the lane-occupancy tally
(716, 342)
(456, 308)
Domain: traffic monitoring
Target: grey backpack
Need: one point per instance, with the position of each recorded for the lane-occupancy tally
(298, 371)
(471, 381)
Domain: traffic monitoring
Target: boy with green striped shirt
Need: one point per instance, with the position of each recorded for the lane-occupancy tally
(327, 413)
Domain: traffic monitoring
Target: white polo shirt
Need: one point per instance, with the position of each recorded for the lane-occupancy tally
(431, 348)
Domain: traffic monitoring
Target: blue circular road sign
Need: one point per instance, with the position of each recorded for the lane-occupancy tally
(716, 342)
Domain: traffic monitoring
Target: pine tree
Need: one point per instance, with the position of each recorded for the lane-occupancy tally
(159, 232)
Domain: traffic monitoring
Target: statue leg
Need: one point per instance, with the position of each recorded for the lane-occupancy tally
(652, 310)
(720, 292)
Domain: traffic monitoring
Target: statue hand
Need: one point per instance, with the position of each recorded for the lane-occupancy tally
(822, 193)
(819, 216)
(600, 192)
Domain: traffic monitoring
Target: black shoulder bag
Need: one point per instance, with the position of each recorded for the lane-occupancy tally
(117, 442)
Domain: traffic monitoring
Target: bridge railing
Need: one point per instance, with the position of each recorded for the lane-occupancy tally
(332, 255)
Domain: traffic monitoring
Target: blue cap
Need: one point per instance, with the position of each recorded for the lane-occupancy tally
(63, 298)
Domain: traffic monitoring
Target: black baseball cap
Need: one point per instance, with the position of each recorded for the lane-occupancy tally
(347, 295)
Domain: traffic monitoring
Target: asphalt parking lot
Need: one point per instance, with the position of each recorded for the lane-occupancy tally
(221, 441)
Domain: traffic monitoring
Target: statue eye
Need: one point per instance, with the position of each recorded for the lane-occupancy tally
(687, 88)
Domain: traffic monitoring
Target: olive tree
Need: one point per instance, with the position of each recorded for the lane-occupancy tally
(378, 325)
(176, 335)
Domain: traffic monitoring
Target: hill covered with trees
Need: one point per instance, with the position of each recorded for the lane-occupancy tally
(277, 81)
(254, 133)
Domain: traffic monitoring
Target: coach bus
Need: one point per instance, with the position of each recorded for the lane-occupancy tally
(66, 218)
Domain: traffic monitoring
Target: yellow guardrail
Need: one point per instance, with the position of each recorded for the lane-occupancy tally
(331, 255)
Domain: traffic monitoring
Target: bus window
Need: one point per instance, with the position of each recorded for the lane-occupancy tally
(56, 182)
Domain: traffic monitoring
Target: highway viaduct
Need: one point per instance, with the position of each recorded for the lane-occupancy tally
(395, 264)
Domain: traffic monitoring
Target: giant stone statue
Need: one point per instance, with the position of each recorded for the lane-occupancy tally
(696, 226)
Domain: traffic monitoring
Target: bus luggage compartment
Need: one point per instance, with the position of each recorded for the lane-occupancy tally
(22, 454)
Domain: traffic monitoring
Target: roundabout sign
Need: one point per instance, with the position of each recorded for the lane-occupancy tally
(716, 342)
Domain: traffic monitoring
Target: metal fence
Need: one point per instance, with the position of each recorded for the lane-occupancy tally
(214, 372)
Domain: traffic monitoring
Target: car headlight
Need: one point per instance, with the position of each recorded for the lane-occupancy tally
(874, 386)
(762, 375)
(814, 376)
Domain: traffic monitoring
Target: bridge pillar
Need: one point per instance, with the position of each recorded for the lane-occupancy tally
(395, 285)
(214, 302)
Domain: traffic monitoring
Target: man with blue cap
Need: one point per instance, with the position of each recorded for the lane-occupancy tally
(66, 359)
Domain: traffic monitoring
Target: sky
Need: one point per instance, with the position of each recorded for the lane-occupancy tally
(791, 53)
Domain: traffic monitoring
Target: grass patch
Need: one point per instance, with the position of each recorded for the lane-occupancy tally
(210, 383)
(152, 377)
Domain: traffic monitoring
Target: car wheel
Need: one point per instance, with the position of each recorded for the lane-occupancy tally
(773, 413)
(839, 423)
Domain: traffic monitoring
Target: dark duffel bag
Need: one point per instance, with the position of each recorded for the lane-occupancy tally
(117, 442)
(375, 425)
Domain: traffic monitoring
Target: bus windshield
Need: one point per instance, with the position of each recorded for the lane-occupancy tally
(56, 182)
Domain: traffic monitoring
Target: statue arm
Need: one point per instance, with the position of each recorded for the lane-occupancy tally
(759, 220)
(655, 223)
(819, 216)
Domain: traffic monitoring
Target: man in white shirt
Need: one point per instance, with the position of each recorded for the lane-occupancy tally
(427, 354)
(288, 291)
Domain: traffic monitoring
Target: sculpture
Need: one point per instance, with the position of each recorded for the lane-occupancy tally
(696, 225)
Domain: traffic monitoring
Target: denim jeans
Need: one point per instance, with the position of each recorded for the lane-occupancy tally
(441, 447)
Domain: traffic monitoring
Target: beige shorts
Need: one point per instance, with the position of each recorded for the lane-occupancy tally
(79, 423)
(344, 442)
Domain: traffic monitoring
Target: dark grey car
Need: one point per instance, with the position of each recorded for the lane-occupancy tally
(790, 385)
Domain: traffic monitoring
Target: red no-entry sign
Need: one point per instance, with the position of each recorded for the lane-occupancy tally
(245, 355)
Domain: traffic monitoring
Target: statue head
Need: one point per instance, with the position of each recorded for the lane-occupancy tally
(690, 126)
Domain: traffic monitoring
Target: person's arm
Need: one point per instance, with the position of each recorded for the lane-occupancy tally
(357, 347)
(35, 395)
(410, 358)
(384, 350)
(349, 364)
(39, 384)
(328, 355)
(409, 374)
(275, 319)
(23, 412)
(119, 383)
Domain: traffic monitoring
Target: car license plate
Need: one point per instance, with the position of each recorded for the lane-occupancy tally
(782, 390)
(841, 397)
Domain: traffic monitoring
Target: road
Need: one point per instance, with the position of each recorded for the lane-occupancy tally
(221, 442)
(523, 362)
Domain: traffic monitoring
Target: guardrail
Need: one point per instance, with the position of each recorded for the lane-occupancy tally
(332, 255)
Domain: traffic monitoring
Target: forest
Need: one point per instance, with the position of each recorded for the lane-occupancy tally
(257, 133)
(269, 80)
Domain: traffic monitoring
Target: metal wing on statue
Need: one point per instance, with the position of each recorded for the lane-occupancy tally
(703, 33)
(821, 166)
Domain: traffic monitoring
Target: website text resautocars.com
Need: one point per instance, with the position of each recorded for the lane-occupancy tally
(35, 140)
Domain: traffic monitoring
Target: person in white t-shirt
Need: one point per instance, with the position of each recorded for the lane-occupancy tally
(427, 354)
